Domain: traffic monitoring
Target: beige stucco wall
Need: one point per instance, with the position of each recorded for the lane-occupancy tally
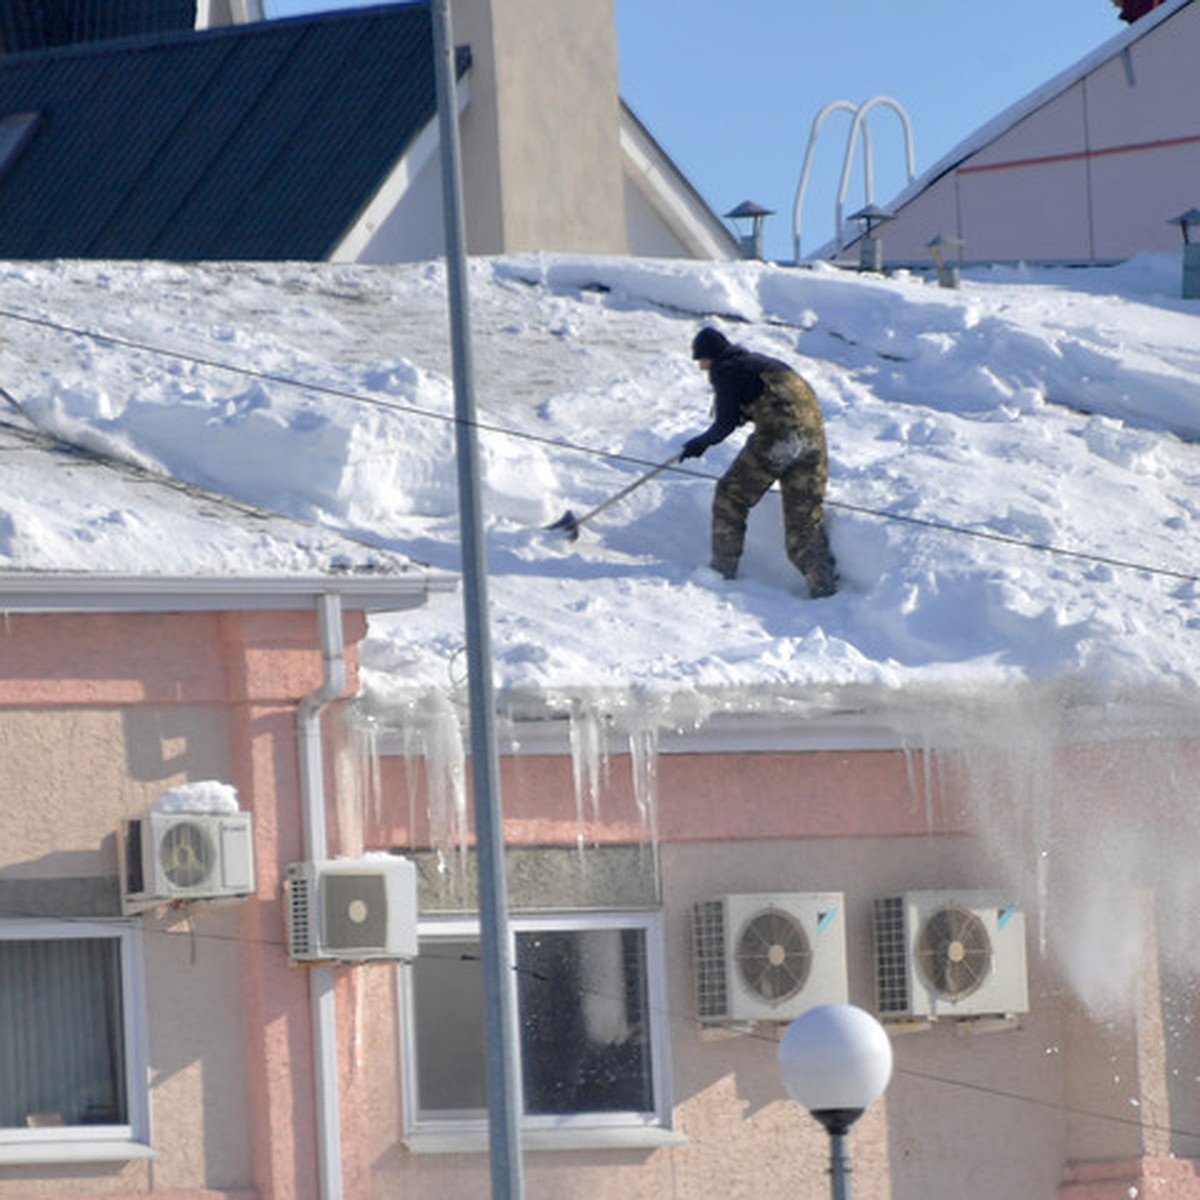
(70, 776)
(541, 136)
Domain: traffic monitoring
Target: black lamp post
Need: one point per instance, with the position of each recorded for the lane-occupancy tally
(836, 1060)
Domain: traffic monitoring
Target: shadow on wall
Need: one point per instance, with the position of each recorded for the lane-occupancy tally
(173, 743)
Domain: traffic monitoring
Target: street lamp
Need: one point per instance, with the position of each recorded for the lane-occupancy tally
(1191, 252)
(836, 1060)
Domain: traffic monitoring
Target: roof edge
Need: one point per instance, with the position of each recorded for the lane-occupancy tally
(681, 203)
(92, 592)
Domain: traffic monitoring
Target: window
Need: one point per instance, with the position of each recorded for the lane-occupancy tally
(71, 1044)
(592, 1030)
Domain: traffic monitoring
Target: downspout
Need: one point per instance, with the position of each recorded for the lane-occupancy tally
(316, 848)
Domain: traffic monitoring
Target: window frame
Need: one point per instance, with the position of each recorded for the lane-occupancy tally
(94, 1143)
(582, 1131)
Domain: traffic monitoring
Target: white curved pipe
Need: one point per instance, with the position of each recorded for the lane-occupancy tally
(809, 150)
(859, 125)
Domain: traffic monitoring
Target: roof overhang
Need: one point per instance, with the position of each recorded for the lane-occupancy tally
(87, 592)
(666, 188)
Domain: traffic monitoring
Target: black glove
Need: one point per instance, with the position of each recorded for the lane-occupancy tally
(693, 448)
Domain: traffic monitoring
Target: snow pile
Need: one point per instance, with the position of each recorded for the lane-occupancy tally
(1013, 475)
(201, 796)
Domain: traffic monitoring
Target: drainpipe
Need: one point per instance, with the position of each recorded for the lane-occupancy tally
(316, 848)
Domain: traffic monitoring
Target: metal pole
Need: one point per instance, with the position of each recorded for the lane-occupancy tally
(501, 1044)
(839, 1167)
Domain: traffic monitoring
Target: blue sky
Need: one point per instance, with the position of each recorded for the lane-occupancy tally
(730, 90)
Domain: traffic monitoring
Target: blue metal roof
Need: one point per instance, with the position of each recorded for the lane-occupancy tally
(259, 141)
(38, 24)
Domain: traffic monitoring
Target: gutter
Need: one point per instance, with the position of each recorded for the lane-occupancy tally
(316, 848)
(100, 592)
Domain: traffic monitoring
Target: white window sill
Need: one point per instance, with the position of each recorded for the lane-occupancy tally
(475, 1141)
(65, 1151)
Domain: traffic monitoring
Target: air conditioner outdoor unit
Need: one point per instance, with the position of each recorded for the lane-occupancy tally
(950, 954)
(352, 909)
(166, 857)
(768, 957)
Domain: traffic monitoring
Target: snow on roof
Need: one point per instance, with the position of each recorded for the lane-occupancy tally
(69, 509)
(1013, 468)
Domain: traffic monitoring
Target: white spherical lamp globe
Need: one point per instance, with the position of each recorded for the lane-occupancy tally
(835, 1058)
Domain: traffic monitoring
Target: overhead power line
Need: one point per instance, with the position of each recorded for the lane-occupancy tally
(198, 937)
(557, 443)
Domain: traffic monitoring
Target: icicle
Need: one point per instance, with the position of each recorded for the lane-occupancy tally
(445, 768)
(372, 770)
(412, 747)
(589, 762)
(360, 797)
(923, 752)
(643, 750)
(1043, 896)
(348, 795)
(431, 735)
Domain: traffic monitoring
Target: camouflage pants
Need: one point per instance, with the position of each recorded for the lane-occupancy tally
(788, 445)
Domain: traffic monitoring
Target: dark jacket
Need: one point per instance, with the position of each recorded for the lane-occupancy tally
(737, 380)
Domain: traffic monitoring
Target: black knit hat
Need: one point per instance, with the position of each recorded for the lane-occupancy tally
(709, 343)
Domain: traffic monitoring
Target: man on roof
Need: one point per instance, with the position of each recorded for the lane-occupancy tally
(788, 445)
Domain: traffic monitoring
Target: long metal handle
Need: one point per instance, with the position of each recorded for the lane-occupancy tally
(637, 483)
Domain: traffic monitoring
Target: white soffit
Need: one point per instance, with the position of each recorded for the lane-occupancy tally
(667, 190)
(392, 190)
(87, 592)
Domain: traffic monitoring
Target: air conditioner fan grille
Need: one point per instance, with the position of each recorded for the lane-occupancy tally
(187, 854)
(773, 955)
(954, 952)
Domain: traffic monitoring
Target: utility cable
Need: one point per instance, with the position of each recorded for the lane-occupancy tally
(196, 936)
(561, 444)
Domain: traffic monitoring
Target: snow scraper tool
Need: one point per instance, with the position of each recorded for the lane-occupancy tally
(569, 523)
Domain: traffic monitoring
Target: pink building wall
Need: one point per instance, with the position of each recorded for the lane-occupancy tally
(1031, 1111)
(99, 713)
